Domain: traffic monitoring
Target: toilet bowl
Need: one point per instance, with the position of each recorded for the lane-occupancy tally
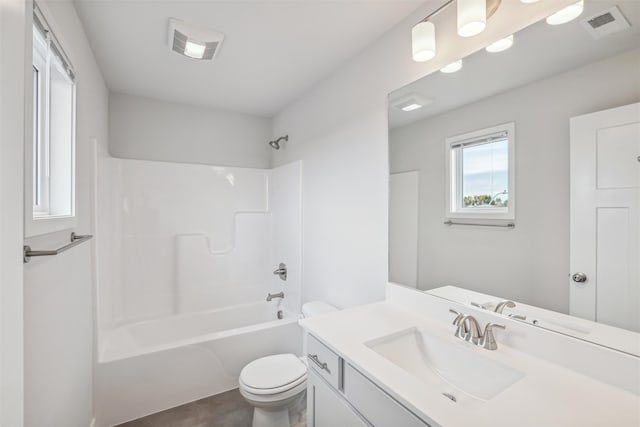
(275, 384)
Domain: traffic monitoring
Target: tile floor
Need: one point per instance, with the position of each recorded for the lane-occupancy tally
(227, 409)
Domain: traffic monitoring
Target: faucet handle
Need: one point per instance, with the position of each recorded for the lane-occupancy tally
(487, 340)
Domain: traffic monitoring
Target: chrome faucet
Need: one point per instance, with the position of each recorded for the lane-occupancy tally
(468, 329)
(487, 340)
(272, 296)
(473, 329)
(501, 305)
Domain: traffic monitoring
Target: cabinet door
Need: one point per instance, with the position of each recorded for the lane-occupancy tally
(325, 408)
(379, 408)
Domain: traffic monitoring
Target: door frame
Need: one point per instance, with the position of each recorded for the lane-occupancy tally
(13, 59)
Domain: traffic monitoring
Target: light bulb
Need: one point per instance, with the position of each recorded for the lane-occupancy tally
(453, 67)
(423, 41)
(472, 17)
(500, 45)
(567, 14)
(194, 50)
(411, 107)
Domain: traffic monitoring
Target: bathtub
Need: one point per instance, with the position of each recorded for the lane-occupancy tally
(149, 366)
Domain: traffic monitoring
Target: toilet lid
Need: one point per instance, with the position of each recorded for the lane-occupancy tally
(273, 372)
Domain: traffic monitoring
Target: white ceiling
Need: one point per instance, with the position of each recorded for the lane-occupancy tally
(539, 51)
(273, 52)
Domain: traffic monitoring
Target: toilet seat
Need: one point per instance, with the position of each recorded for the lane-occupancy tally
(273, 374)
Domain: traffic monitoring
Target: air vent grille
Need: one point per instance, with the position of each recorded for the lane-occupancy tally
(605, 23)
(194, 41)
(601, 20)
(180, 42)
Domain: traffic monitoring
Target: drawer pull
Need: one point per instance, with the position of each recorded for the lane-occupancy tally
(321, 365)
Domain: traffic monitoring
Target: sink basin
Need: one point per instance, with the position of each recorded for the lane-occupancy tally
(441, 363)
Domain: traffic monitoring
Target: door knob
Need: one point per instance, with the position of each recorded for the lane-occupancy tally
(579, 277)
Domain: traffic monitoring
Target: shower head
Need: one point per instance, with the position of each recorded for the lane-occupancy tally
(276, 144)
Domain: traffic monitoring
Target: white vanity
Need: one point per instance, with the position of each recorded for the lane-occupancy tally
(398, 363)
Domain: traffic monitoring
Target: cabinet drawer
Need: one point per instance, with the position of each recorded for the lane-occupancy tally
(325, 362)
(376, 406)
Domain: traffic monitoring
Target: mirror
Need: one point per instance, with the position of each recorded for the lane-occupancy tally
(510, 182)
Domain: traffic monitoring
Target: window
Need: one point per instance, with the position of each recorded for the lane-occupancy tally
(52, 152)
(481, 174)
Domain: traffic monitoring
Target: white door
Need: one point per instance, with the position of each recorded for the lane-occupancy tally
(403, 228)
(605, 217)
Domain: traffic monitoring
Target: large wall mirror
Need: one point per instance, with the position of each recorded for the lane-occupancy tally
(516, 178)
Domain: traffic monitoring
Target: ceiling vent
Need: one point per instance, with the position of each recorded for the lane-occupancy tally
(411, 102)
(192, 41)
(605, 23)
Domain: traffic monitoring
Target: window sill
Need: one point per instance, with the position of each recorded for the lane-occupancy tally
(45, 224)
(490, 217)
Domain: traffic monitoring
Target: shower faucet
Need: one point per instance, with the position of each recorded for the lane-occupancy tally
(272, 296)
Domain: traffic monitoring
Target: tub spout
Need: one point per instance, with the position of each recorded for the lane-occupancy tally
(272, 296)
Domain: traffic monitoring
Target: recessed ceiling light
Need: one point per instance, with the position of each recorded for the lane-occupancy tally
(500, 45)
(453, 67)
(529, 1)
(567, 14)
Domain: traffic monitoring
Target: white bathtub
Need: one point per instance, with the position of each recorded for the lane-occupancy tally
(157, 364)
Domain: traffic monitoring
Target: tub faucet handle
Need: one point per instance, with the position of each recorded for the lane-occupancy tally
(281, 271)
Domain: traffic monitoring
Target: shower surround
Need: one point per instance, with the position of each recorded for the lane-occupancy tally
(185, 255)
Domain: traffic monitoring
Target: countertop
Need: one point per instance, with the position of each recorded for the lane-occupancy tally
(547, 395)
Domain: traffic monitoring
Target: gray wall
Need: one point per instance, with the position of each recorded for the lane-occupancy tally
(142, 128)
(530, 263)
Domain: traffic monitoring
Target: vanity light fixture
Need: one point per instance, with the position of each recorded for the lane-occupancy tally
(192, 41)
(472, 19)
(567, 14)
(500, 45)
(453, 67)
(423, 41)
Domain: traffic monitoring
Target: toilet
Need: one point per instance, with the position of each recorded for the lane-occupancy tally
(274, 384)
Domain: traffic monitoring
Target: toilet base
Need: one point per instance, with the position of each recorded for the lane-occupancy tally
(287, 415)
(266, 418)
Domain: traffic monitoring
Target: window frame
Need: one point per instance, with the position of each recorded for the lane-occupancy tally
(454, 169)
(38, 215)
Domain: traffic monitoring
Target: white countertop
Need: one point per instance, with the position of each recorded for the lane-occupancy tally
(547, 395)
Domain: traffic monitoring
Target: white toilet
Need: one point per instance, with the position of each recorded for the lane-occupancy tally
(274, 384)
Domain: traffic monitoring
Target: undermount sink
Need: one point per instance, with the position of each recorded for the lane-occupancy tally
(434, 360)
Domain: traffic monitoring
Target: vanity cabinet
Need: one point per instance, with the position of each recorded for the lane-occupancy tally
(338, 395)
(326, 408)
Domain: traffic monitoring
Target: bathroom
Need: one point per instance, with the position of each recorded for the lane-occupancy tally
(289, 209)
